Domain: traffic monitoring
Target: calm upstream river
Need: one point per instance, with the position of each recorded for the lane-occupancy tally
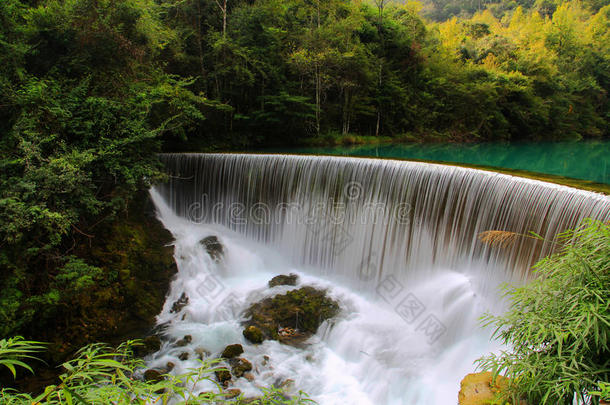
(586, 160)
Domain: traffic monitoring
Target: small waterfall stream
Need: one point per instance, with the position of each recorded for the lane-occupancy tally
(396, 243)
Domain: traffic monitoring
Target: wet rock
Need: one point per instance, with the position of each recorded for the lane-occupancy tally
(157, 374)
(184, 341)
(253, 334)
(207, 395)
(265, 360)
(179, 304)
(282, 279)
(183, 356)
(293, 317)
(231, 393)
(284, 385)
(480, 389)
(249, 376)
(251, 400)
(150, 344)
(201, 353)
(213, 246)
(240, 366)
(223, 376)
(154, 375)
(232, 351)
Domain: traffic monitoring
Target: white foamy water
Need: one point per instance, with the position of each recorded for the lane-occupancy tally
(368, 355)
(395, 243)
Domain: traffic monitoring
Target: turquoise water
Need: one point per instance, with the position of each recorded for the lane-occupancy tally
(588, 160)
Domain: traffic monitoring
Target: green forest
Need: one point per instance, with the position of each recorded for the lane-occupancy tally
(92, 90)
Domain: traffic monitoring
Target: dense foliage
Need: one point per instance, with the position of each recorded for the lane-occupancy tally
(100, 374)
(286, 71)
(558, 326)
(84, 102)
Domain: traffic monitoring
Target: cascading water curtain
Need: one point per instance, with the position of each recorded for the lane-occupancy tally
(361, 219)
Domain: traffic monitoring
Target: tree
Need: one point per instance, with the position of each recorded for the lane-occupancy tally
(223, 9)
(88, 103)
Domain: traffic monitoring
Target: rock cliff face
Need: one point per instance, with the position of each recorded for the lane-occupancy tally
(133, 251)
(137, 266)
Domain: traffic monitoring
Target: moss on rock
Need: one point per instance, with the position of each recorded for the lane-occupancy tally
(223, 376)
(253, 334)
(232, 351)
(299, 311)
(136, 262)
(240, 366)
(283, 279)
(150, 344)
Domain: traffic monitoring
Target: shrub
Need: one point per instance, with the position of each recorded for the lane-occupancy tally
(102, 375)
(558, 325)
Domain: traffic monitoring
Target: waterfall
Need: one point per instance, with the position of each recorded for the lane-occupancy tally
(386, 237)
(394, 216)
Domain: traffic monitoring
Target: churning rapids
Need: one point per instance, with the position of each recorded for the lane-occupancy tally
(394, 242)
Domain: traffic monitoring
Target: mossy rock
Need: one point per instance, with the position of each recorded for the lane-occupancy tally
(231, 393)
(223, 376)
(283, 279)
(254, 334)
(150, 344)
(232, 351)
(240, 366)
(303, 309)
(154, 375)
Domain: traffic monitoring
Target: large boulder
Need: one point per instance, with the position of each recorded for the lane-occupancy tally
(291, 318)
